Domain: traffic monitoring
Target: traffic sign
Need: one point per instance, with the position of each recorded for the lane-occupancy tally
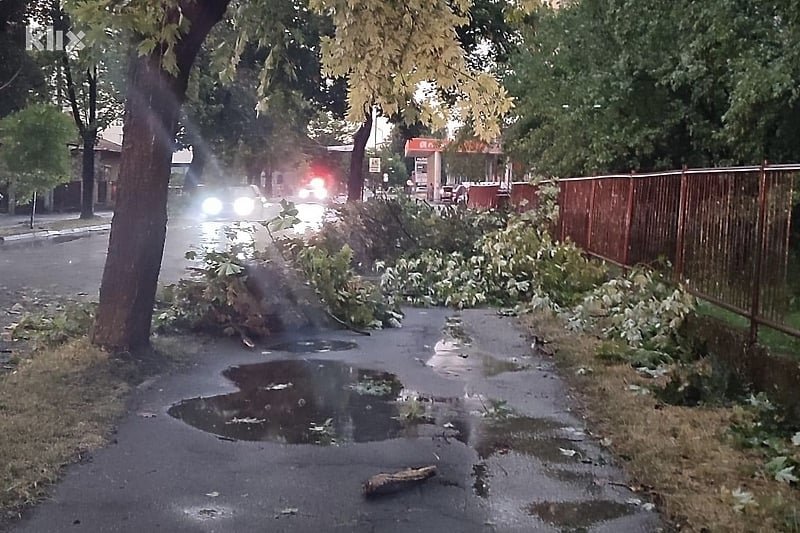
(375, 164)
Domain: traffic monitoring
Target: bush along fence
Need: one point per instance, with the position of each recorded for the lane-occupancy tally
(724, 232)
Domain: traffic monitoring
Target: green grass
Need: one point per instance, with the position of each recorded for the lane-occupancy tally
(777, 341)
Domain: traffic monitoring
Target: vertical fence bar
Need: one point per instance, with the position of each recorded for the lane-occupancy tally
(628, 216)
(562, 209)
(788, 226)
(590, 222)
(760, 238)
(681, 233)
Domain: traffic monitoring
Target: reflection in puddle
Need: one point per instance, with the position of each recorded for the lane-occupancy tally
(204, 514)
(493, 366)
(455, 356)
(313, 346)
(325, 402)
(481, 484)
(579, 514)
(320, 402)
(526, 436)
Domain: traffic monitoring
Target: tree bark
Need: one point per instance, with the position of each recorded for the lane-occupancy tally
(138, 229)
(355, 183)
(89, 140)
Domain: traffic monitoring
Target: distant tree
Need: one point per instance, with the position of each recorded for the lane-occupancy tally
(619, 85)
(20, 76)
(34, 151)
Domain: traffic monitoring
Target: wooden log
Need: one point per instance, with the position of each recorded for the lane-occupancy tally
(387, 483)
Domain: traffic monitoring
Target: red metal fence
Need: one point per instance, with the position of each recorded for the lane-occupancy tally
(725, 231)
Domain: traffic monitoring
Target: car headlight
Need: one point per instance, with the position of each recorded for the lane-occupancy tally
(212, 206)
(320, 194)
(243, 206)
(303, 193)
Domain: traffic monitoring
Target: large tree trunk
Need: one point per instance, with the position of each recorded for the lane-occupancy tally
(136, 245)
(355, 183)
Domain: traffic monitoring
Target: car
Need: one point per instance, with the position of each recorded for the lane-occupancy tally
(460, 193)
(446, 196)
(315, 189)
(240, 202)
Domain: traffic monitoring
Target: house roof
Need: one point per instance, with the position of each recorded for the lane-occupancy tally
(103, 145)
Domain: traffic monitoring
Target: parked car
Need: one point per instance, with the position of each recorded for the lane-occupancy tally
(447, 194)
(242, 202)
(460, 193)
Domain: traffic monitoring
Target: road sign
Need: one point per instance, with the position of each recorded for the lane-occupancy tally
(375, 164)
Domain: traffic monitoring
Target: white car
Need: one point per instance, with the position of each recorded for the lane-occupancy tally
(315, 190)
(244, 202)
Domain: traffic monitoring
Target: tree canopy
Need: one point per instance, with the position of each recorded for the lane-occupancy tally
(616, 85)
(34, 151)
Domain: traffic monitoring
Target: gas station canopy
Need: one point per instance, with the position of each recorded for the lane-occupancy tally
(426, 147)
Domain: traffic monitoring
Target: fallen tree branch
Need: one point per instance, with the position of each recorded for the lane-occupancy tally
(384, 483)
(346, 325)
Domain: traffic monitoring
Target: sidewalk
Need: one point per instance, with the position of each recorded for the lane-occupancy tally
(45, 218)
(15, 228)
(282, 437)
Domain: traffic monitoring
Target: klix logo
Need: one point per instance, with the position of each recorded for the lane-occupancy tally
(48, 38)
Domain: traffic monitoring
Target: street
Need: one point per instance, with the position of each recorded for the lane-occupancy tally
(73, 265)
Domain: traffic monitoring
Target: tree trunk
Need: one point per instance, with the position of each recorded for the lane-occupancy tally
(136, 244)
(87, 174)
(355, 183)
(12, 199)
(89, 140)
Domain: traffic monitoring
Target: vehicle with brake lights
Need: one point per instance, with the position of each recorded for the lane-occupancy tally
(314, 189)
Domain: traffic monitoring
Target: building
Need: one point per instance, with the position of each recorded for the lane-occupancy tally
(107, 154)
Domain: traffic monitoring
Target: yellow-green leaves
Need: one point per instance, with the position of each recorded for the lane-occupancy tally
(390, 51)
(155, 23)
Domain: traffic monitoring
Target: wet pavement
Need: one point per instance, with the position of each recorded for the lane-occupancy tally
(282, 437)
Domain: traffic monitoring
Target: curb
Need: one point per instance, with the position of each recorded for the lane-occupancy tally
(50, 234)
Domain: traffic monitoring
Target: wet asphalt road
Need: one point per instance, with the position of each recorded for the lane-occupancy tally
(73, 266)
(491, 415)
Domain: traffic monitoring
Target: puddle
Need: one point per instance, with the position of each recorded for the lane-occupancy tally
(527, 436)
(205, 514)
(493, 366)
(480, 472)
(454, 328)
(570, 476)
(455, 356)
(313, 346)
(573, 515)
(317, 402)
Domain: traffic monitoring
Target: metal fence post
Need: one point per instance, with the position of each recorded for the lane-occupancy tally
(681, 233)
(590, 221)
(628, 221)
(760, 238)
(562, 209)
